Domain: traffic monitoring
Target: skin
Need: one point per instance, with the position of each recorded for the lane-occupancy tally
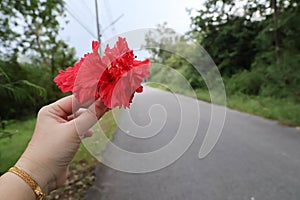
(55, 141)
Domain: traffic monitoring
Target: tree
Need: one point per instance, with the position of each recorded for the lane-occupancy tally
(15, 89)
(30, 28)
(279, 47)
(171, 49)
(183, 54)
(254, 43)
(228, 33)
(34, 24)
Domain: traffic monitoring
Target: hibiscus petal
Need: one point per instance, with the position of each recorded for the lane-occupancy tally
(120, 92)
(65, 79)
(88, 76)
(115, 78)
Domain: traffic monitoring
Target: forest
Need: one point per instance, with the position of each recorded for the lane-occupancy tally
(30, 55)
(254, 43)
(256, 46)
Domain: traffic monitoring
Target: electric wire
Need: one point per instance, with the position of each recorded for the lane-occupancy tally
(109, 15)
(68, 9)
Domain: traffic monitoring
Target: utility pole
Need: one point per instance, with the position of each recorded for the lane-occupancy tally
(98, 24)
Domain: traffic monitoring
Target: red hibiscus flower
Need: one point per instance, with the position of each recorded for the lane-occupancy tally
(114, 78)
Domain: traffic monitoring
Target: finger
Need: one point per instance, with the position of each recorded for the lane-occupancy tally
(77, 113)
(89, 133)
(65, 106)
(89, 117)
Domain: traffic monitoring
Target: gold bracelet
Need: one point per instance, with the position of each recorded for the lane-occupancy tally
(29, 180)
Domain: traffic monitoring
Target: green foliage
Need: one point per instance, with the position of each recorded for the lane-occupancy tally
(283, 110)
(30, 55)
(39, 20)
(283, 78)
(228, 38)
(11, 148)
(257, 48)
(166, 78)
(280, 48)
(15, 89)
(173, 51)
(246, 82)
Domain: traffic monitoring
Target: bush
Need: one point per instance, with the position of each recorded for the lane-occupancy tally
(24, 89)
(246, 82)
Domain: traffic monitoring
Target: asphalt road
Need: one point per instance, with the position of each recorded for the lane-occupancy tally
(254, 159)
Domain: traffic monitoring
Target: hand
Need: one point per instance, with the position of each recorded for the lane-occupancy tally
(56, 139)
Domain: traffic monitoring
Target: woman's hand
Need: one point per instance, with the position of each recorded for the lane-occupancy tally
(56, 139)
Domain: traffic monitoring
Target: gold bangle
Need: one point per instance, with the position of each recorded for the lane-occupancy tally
(29, 180)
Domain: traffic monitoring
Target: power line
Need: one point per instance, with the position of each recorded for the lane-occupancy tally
(113, 22)
(98, 23)
(109, 13)
(80, 23)
(84, 3)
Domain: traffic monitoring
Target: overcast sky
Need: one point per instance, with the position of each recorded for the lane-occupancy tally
(137, 14)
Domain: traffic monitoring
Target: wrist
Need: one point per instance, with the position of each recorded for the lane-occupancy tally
(39, 173)
(29, 181)
(8, 184)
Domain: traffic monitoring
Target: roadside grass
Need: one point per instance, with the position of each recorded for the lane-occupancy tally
(108, 124)
(81, 169)
(285, 111)
(11, 148)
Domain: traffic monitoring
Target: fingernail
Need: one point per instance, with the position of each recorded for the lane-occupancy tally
(99, 103)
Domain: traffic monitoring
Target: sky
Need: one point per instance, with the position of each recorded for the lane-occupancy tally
(134, 14)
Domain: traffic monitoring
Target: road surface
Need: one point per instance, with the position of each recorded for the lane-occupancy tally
(254, 159)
